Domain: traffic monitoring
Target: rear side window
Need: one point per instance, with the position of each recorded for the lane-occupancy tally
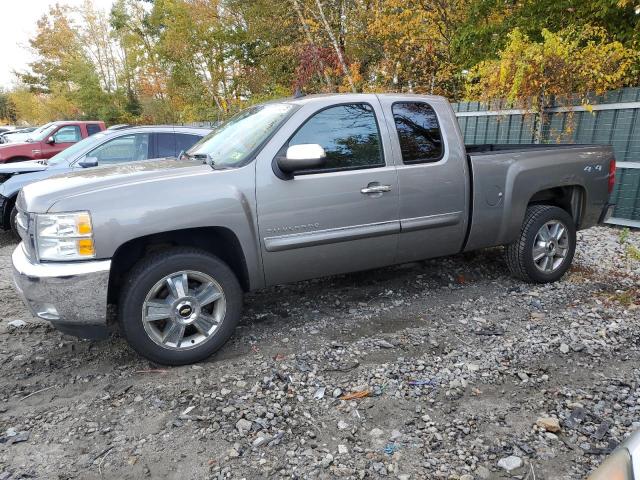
(349, 135)
(184, 141)
(418, 132)
(93, 128)
(165, 145)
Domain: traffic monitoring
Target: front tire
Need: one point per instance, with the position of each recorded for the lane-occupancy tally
(179, 306)
(12, 222)
(544, 251)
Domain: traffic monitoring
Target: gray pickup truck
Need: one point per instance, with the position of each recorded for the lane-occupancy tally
(286, 191)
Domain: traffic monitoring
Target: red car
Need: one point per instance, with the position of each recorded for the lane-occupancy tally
(50, 140)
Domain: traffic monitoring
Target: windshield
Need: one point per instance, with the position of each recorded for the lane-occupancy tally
(231, 144)
(68, 154)
(41, 133)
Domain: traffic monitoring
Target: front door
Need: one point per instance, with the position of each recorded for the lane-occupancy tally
(340, 218)
(63, 138)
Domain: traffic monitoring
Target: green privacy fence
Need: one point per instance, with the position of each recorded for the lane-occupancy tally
(613, 119)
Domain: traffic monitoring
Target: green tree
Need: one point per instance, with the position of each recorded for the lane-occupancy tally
(531, 74)
(8, 112)
(489, 22)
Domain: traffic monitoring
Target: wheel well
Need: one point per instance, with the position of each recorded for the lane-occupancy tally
(571, 199)
(218, 241)
(6, 212)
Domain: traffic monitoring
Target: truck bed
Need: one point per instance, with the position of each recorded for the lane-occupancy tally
(507, 178)
(477, 149)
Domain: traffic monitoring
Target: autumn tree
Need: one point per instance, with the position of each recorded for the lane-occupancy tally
(162, 61)
(531, 74)
(7, 108)
(489, 22)
(417, 43)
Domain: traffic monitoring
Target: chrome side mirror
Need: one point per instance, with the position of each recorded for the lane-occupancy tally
(305, 156)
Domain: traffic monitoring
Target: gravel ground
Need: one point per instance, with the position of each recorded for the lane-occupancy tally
(464, 374)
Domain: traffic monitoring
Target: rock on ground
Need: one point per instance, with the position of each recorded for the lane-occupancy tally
(459, 361)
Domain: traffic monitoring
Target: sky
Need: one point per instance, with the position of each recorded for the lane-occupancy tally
(17, 25)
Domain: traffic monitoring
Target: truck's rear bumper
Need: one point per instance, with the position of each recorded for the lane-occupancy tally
(69, 295)
(607, 212)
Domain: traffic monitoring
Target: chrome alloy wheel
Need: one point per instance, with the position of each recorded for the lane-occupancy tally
(550, 246)
(183, 310)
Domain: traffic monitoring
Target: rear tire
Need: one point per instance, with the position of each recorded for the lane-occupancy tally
(179, 306)
(544, 251)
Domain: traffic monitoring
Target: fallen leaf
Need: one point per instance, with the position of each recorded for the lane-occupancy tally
(356, 395)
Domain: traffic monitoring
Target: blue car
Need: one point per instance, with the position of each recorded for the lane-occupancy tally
(104, 148)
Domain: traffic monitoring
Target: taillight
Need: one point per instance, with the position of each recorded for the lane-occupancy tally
(612, 174)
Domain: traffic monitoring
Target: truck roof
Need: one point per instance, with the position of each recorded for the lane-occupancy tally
(355, 97)
(75, 122)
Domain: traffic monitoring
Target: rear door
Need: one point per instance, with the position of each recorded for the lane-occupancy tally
(329, 221)
(433, 176)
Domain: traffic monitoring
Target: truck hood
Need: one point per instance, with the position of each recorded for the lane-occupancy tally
(23, 167)
(22, 149)
(15, 145)
(40, 196)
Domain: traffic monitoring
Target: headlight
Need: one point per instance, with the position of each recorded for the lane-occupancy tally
(64, 236)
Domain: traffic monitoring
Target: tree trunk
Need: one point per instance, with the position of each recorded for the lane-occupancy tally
(336, 46)
(307, 33)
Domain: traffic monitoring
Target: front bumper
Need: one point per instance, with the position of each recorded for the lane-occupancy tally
(67, 294)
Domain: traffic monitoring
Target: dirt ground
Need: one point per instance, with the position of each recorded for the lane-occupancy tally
(457, 361)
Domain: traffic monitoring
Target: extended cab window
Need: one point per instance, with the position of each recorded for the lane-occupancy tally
(418, 132)
(93, 128)
(349, 135)
(185, 141)
(165, 145)
(122, 149)
(68, 134)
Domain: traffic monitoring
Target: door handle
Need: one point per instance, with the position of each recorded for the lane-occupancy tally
(372, 188)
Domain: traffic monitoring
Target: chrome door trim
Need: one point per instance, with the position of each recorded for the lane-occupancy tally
(430, 221)
(332, 235)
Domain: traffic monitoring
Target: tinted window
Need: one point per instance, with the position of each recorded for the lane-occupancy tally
(185, 142)
(122, 149)
(165, 145)
(93, 128)
(68, 134)
(418, 132)
(349, 135)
